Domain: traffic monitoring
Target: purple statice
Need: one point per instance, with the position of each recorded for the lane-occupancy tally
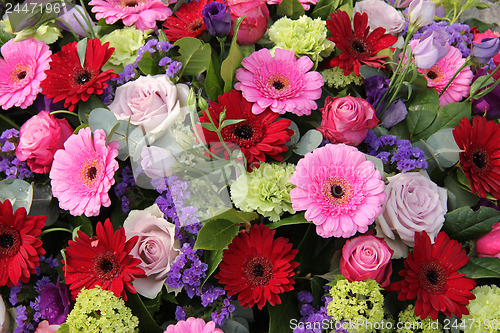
(459, 35)
(305, 297)
(164, 46)
(127, 74)
(396, 154)
(164, 61)
(150, 47)
(209, 294)
(22, 320)
(187, 270)
(180, 313)
(14, 290)
(10, 165)
(127, 182)
(173, 68)
(313, 319)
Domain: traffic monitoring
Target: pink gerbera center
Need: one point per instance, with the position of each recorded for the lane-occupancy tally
(91, 172)
(19, 73)
(258, 271)
(107, 266)
(130, 3)
(434, 73)
(337, 191)
(10, 241)
(278, 85)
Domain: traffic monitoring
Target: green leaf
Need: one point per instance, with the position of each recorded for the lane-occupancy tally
(422, 110)
(464, 224)
(214, 85)
(230, 122)
(213, 261)
(294, 219)
(19, 192)
(81, 49)
(64, 328)
(309, 141)
(83, 223)
(208, 126)
(233, 60)
(85, 108)
(291, 8)
(194, 55)
(216, 235)
(323, 9)
(146, 322)
(478, 268)
(236, 216)
(147, 65)
(280, 315)
(448, 116)
(153, 305)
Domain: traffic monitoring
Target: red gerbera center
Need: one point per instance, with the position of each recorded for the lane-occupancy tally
(257, 136)
(481, 146)
(359, 46)
(107, 265)
(432, 277)
(10, 241)
(258, 271)
(186, 22)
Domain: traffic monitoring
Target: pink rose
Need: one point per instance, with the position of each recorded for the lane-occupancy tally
(45, 327)
(39, 139)
(152, 102)
(156, 247)
(489, 245)
(366, 257)
(347, 119)
(255, 23)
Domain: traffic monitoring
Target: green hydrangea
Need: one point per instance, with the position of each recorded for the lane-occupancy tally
(358, 302)
(305, 37)
(126, 42)
(409, 323)
(334, 77)
(483, 311)
(98, 310)
(265, 190)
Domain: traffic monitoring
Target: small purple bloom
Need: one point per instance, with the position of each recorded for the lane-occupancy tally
(432, 47)
(484, 51)
(54, 303)
(375, 88)
(396, 113)
(217, 18)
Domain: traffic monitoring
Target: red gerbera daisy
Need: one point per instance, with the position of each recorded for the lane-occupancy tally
(257, 136)
(480, 160)
(19, 246)
(359, 47)
(258, 268)
(431, 276)
(68, 80)
(102, 260)
(186, 22)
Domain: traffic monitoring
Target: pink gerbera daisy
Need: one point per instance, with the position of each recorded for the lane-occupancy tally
(281, 83)
(82, 173)
(142, 13)
(21, 71)
(441, 73)
(341, 192)
(193, 325)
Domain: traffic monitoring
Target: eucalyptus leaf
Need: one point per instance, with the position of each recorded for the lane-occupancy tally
(18, 192)
(478, 268)
(194, 55)
(464, 224)
(309, 141)
(216, 235)
(233, 326)
(441, 146)
(85, 108)
(377, 162)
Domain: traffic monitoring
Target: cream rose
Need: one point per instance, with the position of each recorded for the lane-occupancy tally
(156, 247)
(414, 203)
(152, 102)
(381, 14)
(4, 317)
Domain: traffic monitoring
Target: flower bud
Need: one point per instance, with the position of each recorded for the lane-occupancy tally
(485, 50)
(421, 13)
(217, 18)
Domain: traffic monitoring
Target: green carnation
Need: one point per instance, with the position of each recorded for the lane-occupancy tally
(409, 323)
(483, 311)
(305, 37)
(126, 42)
(266, 190)
(98, 310)
(359, 302)
(334, 77)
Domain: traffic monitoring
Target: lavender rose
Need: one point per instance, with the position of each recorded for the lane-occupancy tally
(152, 102)
(381, 14)
(39, 139)
(347, 119)
(54, 303)
(414, 204)
(156, 247)
(366, 257)
(489, 245)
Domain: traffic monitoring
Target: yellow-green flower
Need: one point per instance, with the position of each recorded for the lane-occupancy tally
(483, 311)
(98, 310)
(409, 323)
(334, 77)
(305, 36)
(265, 190)
(357, 302)
(126, 42)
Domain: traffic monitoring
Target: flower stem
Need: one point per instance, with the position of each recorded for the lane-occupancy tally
(467, 62)
(9, 121)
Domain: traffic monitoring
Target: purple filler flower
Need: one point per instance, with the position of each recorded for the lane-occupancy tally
(217, 18)
(54, 303)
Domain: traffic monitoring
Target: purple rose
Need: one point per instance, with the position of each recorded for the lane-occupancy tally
(485, 50)
(54, 303)
(217, 18)
(431, 48)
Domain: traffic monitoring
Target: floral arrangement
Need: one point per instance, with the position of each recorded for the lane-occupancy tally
(249, 166)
